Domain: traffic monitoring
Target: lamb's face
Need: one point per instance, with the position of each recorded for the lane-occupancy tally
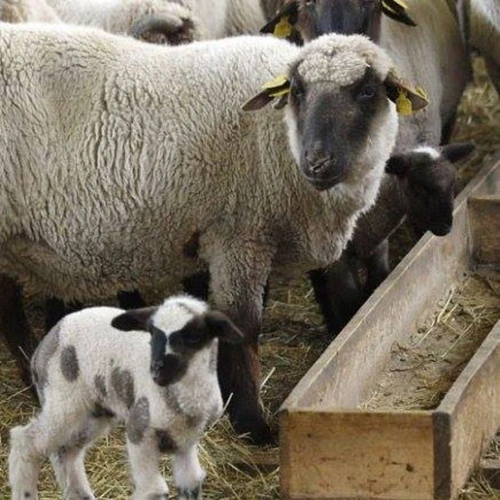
(181, 329)
(429, 177)
(339, 116)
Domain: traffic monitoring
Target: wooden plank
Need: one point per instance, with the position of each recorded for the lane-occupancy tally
(342, 375)
(356, 455)
(473, 406)
(484, 217)
(489, 469)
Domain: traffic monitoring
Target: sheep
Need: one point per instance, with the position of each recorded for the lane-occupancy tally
(480, 22)
(20, 11)
(421, 187)
(299, 19)
(109, 192)
(154, 21)
(160, 380)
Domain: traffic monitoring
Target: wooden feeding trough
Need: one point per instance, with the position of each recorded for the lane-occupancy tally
(332, 447)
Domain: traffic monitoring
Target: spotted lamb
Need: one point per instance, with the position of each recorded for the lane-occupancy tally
(159, 379)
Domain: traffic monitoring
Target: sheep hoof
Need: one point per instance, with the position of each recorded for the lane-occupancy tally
(255, 429)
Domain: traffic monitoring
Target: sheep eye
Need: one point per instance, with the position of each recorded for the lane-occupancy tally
(297, 90)
(366, 93)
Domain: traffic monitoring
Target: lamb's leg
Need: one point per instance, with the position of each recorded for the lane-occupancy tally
(377, 266)
(188, 474)
(197, 285)
(131, 299)
(144, 455)
(493, 71)
(238, 277)
(15, 327)
(56, 309)
(338, 293)
(68, 461)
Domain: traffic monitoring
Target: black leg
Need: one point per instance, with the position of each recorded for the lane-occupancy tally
(197, 285)
(15, 327)
(130, 299)
(56, 309)
(377, 267)
(338, 293)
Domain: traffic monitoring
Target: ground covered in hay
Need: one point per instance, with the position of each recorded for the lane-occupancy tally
(293, 339)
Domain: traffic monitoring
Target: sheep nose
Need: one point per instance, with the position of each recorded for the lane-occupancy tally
(319, 164)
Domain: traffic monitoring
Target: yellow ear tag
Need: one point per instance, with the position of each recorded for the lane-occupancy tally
(390, 9)
(279, 81)
(283, 28)
(403, 104)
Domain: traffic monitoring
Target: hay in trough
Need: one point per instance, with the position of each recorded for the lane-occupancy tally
(293, 339)
(424, 366)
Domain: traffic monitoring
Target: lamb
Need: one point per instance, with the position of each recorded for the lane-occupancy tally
(421, 187)
(119, 187)
(154, 21)
(160, 380)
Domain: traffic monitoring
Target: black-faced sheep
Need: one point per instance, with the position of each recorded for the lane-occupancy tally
(110, 183)
(160, 379)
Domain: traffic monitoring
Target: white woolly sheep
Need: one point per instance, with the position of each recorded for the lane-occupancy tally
(154, 21)
(138, 168)
(159, 379)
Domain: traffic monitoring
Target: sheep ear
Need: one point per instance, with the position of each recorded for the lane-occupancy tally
(278, 87)
(282, 25)
(222, 327)
(408, 99)
(397, 164)
(396, 9)
(457, 151)
(135, 319)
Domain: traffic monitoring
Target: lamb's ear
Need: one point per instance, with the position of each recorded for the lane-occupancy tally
(457, 151)
(135, 319)
(408, 99)
(223, 328)
(278, 87)
(282, 25)
(398, 164)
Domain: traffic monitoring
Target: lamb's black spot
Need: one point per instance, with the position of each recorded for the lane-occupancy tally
(69, 363)
(100, 385)
(100, 411)
(27, 494)
(123, 384)
(166, 443)
(138, 420)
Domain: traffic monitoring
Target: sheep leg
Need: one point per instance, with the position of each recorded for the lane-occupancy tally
(197, 285)
(68, 461)
(238, 278)
(377, 265)
(188, 474)
(15, 327)
(144, 458)
(130, 299)
(338, 293)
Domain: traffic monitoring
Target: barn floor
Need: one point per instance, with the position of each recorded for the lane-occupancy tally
(293, 339)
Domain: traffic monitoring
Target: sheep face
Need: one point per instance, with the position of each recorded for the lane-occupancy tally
(429, 177)
(181, 329)
(313, 18)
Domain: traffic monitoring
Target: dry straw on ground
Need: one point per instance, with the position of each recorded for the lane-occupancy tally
(292, 341)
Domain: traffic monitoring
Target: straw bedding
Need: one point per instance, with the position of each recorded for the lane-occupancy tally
(293, 339)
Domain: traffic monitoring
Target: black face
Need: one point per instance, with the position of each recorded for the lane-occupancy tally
(332, 126)
(318, 17)
(170, 368)
(431, 190)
